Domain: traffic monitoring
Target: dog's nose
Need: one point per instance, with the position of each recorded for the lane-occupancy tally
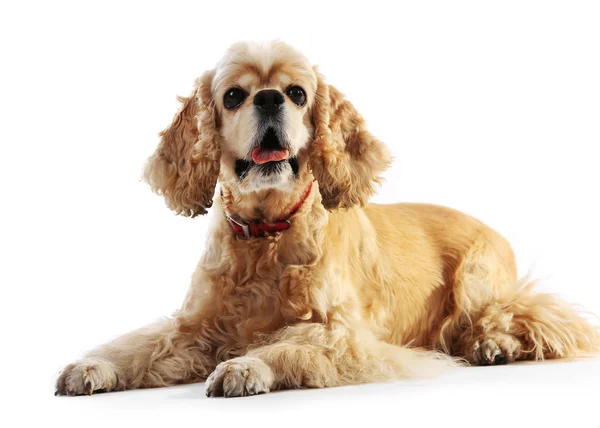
(269, 100)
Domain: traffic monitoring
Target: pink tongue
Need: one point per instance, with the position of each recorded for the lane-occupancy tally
(261, 156)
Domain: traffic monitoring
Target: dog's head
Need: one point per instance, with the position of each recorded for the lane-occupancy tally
(262, 95)
(260, 120)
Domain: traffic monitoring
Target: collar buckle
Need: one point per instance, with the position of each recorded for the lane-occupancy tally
(240, 223)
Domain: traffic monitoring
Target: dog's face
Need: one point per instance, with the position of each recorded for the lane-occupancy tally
(263, 95)
(265, 119)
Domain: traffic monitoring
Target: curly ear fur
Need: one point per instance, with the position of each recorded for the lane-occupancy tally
(185, 166)
(345, 158)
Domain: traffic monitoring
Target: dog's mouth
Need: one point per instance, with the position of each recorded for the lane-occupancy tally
(269, 149)
(269, 157)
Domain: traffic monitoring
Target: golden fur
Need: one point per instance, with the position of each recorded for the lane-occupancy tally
(352, 292)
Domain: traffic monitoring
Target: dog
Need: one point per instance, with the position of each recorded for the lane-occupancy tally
(303, 283)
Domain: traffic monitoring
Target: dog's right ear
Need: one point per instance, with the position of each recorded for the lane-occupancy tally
(185, 166)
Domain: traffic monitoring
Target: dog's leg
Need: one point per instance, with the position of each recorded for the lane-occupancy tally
(157, 355)
(315, 355)
(529, 326)
(495, 319)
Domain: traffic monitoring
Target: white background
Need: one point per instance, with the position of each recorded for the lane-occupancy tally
(489, 107)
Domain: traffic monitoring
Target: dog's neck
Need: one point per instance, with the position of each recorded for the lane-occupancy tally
(299, 245)
(267, 206)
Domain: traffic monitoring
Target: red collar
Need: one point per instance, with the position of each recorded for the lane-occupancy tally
(257, 229)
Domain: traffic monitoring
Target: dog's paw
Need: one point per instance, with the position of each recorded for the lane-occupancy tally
(495, 349)
(240, 377)
(86, 377)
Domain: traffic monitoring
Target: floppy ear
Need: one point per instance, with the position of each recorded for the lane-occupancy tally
(185, 166)
(345, 158)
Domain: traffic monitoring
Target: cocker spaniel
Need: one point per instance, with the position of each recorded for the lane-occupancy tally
(303, 283)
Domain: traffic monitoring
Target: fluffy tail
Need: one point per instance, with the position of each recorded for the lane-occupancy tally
(549, 327)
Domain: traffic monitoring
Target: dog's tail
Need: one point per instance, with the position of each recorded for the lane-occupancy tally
(549, 327)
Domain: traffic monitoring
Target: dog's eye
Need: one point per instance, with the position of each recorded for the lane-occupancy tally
(297, 95)
(233, 98)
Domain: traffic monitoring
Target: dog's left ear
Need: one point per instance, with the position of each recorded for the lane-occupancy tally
(345, 158)
(185, 166)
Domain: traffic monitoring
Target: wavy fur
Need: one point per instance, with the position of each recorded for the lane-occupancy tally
(185, 167)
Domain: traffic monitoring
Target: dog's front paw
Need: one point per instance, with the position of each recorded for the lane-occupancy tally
(86, 377)
(240, 377)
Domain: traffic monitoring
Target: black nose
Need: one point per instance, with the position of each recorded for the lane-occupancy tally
(269, 100)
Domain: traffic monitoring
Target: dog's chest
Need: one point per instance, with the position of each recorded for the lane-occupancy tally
(266, 301)
(263, 290)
